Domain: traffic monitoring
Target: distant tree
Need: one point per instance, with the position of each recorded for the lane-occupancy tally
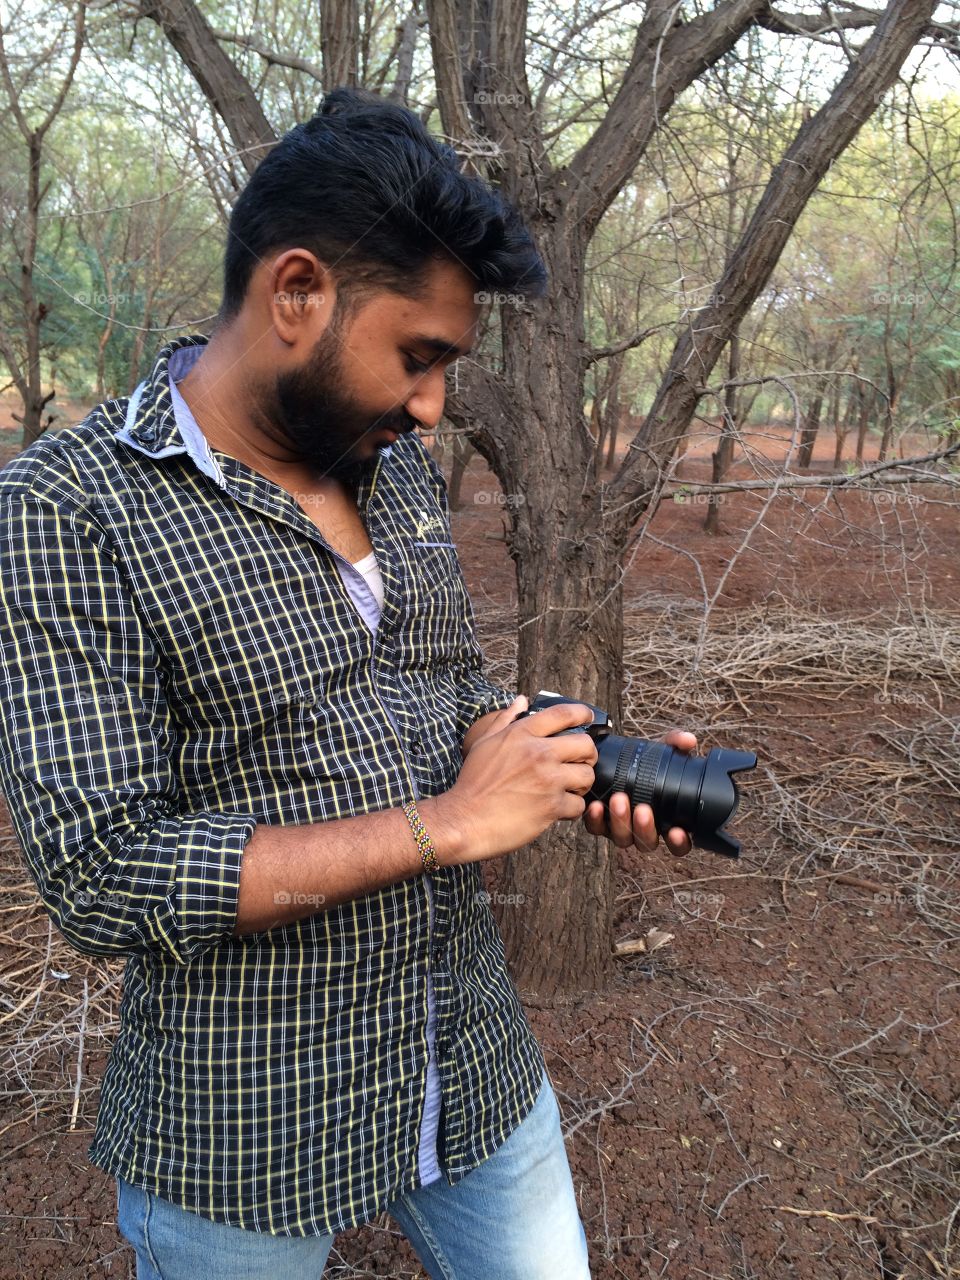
(35, 85)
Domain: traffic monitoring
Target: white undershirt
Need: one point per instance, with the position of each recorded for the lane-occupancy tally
(371, 571)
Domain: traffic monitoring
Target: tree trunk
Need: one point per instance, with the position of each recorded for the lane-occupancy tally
(596, 423)
(811, 426)
(613, 433)
(833, 413)
(611, 406)
(889, 415)
(867, 401)
(462, 453)
(29, 375)
(533, 434)
(808, 435)
(31, 419)
(567, 877)
(723, 454)
(339, 36)
(845, 423)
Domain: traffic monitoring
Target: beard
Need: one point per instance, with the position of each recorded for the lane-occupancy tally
(310, 413)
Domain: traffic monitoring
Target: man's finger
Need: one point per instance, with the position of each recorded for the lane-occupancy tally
(562, 715)
(681, 739)
(594, 818)
(644, 828)
(509, 714)
(620, 827)
(678, 841)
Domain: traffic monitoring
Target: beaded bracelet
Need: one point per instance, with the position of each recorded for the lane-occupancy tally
(424, 843)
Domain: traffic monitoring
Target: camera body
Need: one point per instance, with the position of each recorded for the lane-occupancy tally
(697, 793)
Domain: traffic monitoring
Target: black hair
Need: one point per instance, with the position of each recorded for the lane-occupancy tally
(366, 187)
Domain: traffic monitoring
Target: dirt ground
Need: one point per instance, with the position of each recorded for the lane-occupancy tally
(730, 1105)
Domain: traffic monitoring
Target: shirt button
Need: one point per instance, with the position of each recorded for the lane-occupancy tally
(438, 957)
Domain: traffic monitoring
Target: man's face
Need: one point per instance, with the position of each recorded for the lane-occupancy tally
(371, 373)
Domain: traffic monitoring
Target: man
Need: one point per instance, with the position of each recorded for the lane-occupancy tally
(247, 743)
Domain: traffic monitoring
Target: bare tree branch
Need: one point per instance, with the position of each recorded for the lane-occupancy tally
(404, 51)
(815, 24)
(668, 56)
(628, 344)
(271, 56)
(837, 480)
(222, 83)
(822, 138)
(340, 37)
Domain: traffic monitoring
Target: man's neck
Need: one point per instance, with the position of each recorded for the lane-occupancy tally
(216, 390)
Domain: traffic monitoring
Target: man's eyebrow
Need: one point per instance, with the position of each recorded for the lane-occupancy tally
(439, 347)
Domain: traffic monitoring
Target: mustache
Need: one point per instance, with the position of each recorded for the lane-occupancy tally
(401, 422)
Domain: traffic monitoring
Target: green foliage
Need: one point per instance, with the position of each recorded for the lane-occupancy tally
(139, 180)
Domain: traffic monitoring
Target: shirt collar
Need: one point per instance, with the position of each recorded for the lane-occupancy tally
(151, 424)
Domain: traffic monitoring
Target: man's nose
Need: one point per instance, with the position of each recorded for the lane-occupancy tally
(426, 403)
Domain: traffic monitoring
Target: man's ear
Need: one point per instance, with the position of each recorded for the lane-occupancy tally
(302, 296)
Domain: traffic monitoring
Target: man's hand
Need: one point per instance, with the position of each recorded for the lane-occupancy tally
(480, 728)
(641, 831)
(518, 779)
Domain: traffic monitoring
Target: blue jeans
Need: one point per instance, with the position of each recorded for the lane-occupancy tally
(514, 1217)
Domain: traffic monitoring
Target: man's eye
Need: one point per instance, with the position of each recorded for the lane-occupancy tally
(415, 366)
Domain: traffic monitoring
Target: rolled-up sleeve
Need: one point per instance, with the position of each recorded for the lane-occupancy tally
(85, 750)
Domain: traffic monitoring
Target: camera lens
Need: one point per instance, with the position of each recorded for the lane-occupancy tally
(697, 793)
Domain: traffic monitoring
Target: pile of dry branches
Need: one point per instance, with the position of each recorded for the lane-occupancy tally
(869, 797)
(56, 1006)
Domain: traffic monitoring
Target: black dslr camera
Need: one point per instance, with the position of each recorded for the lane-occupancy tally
(697, 793)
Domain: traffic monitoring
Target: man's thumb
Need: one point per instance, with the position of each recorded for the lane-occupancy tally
(516, 707)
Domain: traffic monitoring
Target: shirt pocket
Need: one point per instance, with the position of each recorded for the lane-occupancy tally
(434, 568)
(434, 601)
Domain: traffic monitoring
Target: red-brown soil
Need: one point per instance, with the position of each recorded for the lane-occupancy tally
(729, 1102)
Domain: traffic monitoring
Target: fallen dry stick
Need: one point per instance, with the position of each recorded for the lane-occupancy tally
(824, 1213)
